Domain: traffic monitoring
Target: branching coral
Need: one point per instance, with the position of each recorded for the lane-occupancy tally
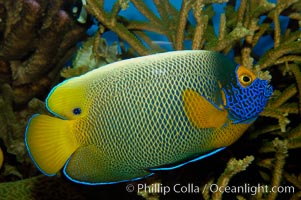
(37, 38)
(94, 53)
(172, 23)
(233, 167)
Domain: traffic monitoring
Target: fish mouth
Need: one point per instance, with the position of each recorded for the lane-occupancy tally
(269, 90)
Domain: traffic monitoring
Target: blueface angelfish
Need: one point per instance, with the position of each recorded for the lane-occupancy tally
(128, 119)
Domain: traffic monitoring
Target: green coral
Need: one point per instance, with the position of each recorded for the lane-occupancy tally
(39, 187)
(94, 53)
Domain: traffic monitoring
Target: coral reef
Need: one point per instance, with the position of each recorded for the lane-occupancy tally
(233, 167)
(38, 37)
(95, 52)
(39, 187)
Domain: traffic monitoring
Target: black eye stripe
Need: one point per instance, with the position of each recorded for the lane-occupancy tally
(77, 111)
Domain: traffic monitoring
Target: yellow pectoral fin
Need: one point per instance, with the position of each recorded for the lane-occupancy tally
(202, 113)
(49, 142)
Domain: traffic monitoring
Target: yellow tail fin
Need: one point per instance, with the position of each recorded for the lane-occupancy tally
(49, 142)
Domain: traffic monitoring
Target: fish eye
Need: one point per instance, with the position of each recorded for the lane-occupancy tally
(77, 111)
(245, 80)
(245, 76)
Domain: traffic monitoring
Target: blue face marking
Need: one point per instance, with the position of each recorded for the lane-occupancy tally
(77, 111)
(245, 104)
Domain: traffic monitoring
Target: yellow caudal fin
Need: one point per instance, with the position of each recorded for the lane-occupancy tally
(49, 142)
(201, 112)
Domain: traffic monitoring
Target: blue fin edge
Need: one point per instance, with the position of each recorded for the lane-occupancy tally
(27, 147)
(101, 183)
(190, 161)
